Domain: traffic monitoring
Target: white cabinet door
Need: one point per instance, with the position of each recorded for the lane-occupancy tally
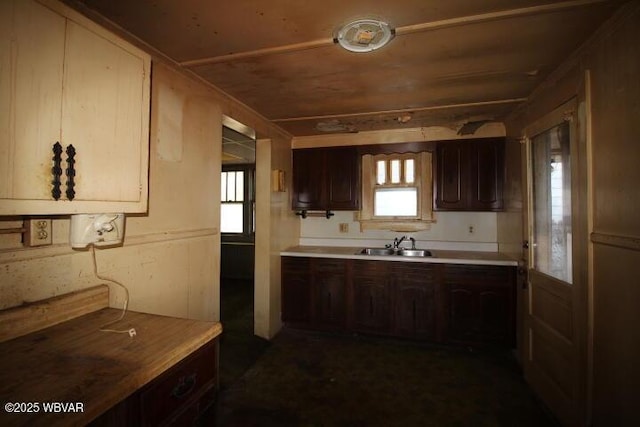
(63, 78)
(31, 65)
(102, 116)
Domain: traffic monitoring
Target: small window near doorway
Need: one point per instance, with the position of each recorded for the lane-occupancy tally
(237, 201)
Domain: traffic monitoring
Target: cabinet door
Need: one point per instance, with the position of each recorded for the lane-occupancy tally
(487, 175)
(308, 180)
(416, 301)
(371, 297)
(451, 176)
(103, 116)
(481, 304)
(32, 41)
(463, 313)
(479, 314)
(326, 178)
(296, 290)
(343, 178)
(329, 293)
(469, 175)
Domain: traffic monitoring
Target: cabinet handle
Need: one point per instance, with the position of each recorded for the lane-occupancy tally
(304, 214)
(184, 387)
(71, 172)
(56, 171)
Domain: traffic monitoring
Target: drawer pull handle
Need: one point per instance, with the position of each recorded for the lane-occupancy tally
(71, 172)
(184, 387)
(56, 171)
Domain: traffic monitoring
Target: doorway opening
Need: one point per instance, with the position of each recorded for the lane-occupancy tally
(239, 347)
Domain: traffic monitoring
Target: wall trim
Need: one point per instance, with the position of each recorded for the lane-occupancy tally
(61, 249)
(625, 242)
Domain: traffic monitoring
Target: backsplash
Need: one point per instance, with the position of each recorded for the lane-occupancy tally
(468, 231)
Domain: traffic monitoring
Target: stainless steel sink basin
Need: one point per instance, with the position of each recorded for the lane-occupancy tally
(414, 252)
(377, 251)
(400, 252)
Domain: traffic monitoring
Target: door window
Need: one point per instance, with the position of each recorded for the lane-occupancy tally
(551, 168)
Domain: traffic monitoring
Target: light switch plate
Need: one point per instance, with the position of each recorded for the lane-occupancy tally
(38, 232)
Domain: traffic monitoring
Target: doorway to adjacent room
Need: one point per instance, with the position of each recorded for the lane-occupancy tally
(239, 346)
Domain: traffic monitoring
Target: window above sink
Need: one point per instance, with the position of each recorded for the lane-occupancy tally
(396, 192)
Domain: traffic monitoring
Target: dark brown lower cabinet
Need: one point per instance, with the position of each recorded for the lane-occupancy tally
(451, 303)
(371, 301)
(329, 298)
(481, 304)
(296, 290)
(417, 292)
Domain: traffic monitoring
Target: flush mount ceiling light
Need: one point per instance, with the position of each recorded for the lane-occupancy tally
(364, 35)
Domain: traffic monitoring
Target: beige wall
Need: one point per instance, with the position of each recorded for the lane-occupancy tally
(615, 71)
(613, 61)
(276, 229)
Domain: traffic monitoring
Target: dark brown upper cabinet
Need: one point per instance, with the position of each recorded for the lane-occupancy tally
(469, 175)
(326, 178)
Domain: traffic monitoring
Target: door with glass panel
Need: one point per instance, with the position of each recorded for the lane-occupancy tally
(552, 336)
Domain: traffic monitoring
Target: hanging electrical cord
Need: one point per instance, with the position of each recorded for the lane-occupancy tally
(104, 328)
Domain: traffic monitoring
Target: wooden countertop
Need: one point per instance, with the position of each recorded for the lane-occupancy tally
(439, 256)
(74, 361)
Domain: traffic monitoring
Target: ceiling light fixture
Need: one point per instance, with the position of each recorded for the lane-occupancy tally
(364, 35)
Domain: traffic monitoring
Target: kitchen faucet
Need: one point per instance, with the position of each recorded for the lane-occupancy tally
(396, 242)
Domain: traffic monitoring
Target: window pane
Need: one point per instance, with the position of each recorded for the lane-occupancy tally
(395, 202)
(381, 172)
(409, 173)
(223, 187)
(395, 171)
(231, 187)
(231, 217)
(552, 203)
(239, 186)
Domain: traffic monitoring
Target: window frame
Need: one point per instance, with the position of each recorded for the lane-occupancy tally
(248, 204)
(423, 180)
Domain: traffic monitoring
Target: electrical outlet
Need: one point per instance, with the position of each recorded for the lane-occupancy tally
(344, 227)
(471, 229)
(38, 232)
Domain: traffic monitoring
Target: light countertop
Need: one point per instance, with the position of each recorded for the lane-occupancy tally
(438, 256)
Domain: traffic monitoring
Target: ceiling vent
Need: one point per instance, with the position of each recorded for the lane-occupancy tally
(364, 35)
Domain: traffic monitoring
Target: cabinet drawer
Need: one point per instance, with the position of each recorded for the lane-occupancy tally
(478, 274)
(329, 265)
(179, 387)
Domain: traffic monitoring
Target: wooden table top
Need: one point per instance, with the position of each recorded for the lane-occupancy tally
(74, 362)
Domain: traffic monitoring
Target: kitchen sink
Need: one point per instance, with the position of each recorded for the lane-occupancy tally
(414, 252)
(377, 251)
(400, 252)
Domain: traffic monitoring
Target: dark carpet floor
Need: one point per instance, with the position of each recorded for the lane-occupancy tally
(314, 379)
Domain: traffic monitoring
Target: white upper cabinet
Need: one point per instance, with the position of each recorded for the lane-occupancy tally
(64, 79)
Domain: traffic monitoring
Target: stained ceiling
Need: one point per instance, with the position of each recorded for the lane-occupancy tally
(450, 63)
